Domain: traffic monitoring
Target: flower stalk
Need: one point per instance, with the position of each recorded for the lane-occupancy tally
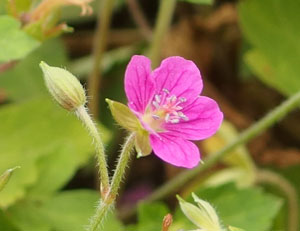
(106, 203)
(83, 115)
(122, 164)
(272, 178)
(69, 94)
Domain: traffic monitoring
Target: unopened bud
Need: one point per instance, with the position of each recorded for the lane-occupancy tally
(4, 178)
(167, 222)
(64, 87)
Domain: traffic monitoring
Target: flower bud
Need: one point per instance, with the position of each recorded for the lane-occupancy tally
(167, 222)
(4, 178)
(64, 87)
(204, 216)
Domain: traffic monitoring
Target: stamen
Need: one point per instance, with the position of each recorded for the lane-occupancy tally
(178, 108)
(173, 99)
(155, 104)
(174, 121)
(156, 117)
(157, 98)
(183, 116)
(166, 91)
(175, 113)
(167, 117)
(182, 99)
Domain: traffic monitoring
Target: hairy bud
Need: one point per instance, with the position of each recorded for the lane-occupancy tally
(64, 87)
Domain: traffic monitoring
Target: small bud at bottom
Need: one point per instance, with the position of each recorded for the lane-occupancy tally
(167, 222)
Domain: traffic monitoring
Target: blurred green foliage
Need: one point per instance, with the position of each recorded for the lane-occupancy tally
(272, 27)
(15, 44)
(49, 144)
(25, 80)
(250, 209)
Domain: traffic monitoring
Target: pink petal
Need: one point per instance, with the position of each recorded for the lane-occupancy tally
(205, 118)
(175, 150)
(179, 76)
(139, 86)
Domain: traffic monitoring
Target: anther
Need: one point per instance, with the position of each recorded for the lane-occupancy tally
(165, 91)
(173, 99)
(182, 99)
(156, 117)
(157, 98)
(167, 117)
(155, 104)
(174, 121)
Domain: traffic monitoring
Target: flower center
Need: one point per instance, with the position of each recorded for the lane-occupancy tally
(166, 108)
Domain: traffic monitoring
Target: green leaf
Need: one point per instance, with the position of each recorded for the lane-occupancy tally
(203, 2)
(5, 224)
(26, 79)
(15, 44)
(272, 27)
(68, 210)
(47, 142)
(240, 207)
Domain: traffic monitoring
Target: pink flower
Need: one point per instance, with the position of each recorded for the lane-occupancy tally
(168, 104)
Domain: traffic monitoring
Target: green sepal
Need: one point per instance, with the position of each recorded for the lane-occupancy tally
(142, 144)
(124, 116)
(4, 178)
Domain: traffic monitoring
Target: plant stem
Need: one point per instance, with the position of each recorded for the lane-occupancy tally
(165, 14)
(83, 115)
(269, 177)
(108, 200)
(122, 164)
(272, 117)
(100, 41)
(99, 216)
(139, 18)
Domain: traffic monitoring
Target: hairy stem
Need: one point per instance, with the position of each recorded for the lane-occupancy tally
(100, 41)
(101, 211)
(122, 164)
(83, 115)
(164, 17)
(107, 201)
(269, 177)
(267, 121)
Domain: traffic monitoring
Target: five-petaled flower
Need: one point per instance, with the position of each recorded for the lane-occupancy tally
(168, 109)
